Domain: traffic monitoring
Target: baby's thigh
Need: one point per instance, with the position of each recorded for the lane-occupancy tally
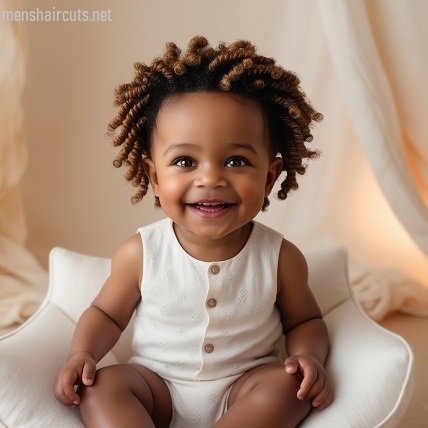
(118, 381)
(270, 379)
(265, 396)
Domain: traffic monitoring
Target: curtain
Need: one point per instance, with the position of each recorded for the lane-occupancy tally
(384, 91)
(22, 281)
(380, 86)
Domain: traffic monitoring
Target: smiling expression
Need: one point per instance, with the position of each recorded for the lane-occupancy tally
(211, 164)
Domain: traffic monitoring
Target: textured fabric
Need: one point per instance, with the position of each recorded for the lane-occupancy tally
(30, 358)
(383, 291)
(198, 405)
(371, 371)
(203, 321)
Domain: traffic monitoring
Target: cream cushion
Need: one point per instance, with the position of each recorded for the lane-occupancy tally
(371, 368)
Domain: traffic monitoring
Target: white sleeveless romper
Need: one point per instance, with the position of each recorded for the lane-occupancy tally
(201, 325)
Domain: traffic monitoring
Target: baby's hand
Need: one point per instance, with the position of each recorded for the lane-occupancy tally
(79, 368)
(315, 384)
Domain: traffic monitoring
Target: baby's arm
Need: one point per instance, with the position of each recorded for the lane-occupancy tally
(306, 333)
(101, 325)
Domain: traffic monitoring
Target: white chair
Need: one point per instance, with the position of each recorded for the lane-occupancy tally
(371, 368)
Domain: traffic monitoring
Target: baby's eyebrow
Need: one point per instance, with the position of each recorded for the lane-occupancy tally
(244, 146)
(172, 147)
(181, 146)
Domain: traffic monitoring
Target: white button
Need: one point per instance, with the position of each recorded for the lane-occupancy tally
(211, 303)
(215, 269)
(209, 347)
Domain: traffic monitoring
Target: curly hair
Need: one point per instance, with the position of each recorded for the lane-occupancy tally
(235, 68)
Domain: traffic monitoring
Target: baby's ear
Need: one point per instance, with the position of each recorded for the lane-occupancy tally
(274, 171)
(150, 170)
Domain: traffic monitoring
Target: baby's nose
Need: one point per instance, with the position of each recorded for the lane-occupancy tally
(210, 176)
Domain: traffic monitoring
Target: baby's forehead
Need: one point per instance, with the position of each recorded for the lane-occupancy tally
(209, 97)
(210, 109)
(210, 106)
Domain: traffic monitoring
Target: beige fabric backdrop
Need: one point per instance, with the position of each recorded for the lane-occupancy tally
(361, 63)
(22, 279)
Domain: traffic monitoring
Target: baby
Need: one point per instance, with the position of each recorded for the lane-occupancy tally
(214, 291)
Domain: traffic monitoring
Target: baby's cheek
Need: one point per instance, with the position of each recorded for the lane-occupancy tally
(171, 187)
(251, 191)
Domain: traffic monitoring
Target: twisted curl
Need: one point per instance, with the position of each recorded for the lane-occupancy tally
(233, 68)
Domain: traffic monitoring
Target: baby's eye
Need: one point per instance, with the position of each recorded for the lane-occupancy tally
(236, 162)
(184, 162)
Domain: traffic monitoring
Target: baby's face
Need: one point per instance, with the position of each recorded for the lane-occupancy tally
(211, 164)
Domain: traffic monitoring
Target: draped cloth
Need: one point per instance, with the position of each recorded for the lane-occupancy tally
(370, 79)
(385, 93)
(22, 280)
(363, 64)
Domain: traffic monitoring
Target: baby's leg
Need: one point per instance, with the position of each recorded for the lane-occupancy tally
(265, 397)
(126, 395)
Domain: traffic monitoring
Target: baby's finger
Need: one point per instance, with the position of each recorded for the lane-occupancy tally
(291, 365)
(317, 386)
(68, 383)
(88, 373)
(326, 400)
(321, 396)
(59, 391)
(310, 374)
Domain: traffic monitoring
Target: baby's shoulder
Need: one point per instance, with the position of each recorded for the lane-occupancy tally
(128, 256)
(292, 264)
(290, 253)
(131, 247)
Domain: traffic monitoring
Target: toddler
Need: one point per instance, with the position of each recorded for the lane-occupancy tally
(214, 291)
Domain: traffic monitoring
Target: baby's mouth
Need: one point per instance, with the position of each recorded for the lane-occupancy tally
(211, 207)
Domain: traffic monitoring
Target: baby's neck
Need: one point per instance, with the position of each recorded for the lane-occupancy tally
(213, 250)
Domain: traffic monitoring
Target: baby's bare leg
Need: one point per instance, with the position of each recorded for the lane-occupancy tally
(265, 397)
(126, 395)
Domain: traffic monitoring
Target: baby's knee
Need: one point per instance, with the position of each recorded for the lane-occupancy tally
(99, 390)
(113, 383)
(276, 388)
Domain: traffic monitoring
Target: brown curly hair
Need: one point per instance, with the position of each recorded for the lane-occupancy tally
(233, 68)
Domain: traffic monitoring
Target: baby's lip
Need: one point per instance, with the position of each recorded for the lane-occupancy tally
(210, 208)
